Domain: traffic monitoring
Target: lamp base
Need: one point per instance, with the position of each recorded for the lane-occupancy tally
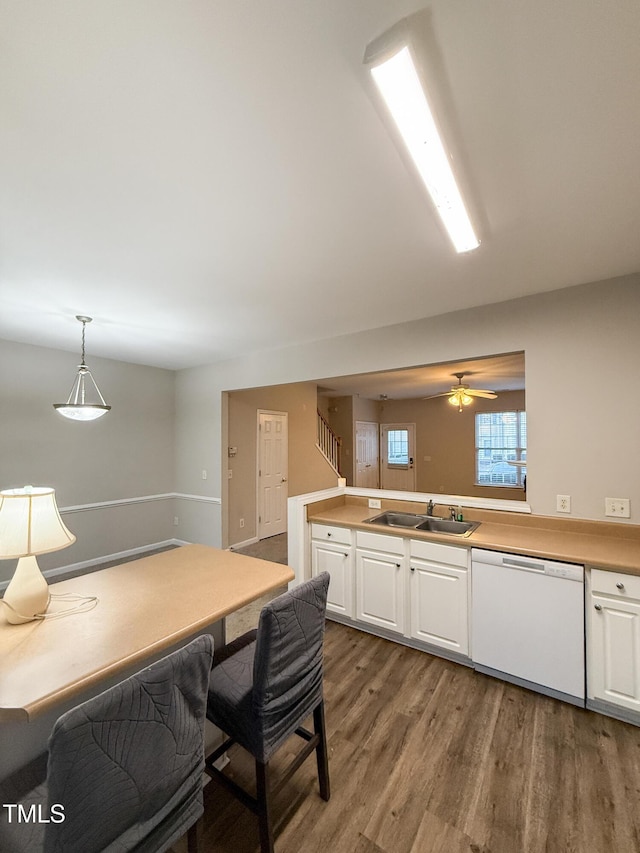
(27, 594)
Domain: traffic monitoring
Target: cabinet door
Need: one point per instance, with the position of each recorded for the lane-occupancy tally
(380, 589)
(338, 561)
(614, 652)
(439, 605)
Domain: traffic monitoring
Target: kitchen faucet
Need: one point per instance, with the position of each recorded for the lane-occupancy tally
(430, 507)
(452, 513)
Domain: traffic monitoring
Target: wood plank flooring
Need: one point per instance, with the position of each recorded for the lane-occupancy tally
(427, 756)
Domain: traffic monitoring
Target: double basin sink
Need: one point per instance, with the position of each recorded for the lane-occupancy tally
(428, 523)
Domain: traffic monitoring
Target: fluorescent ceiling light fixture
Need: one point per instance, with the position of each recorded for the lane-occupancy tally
(399, 85)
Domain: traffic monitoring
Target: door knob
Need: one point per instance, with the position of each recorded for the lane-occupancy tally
(284, 479)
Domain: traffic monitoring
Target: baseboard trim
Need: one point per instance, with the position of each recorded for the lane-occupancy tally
(237, 545)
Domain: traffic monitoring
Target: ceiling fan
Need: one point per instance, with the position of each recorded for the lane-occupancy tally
(461, 395)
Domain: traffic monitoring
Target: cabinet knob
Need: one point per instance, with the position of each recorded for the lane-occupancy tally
(413, 568)
(328, 535)
(620, 585)
(398, 565)
(598, 606)
(345, 555)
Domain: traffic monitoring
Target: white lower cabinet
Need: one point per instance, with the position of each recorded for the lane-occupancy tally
(332, 552)
(439, 595)
(415, 589)
(613, 639)
(380, 580)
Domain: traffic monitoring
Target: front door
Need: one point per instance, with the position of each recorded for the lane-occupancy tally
(273, 489)
(367, 455)
(397, 452)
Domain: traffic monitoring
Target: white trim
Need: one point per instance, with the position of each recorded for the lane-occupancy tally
(247, 542)
(138, 500)
(108, 558)
(200, 498)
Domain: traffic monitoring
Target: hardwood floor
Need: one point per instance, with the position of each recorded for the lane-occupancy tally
(427, 756)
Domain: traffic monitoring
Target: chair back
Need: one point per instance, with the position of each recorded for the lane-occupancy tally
(127, 765)
(288, 661)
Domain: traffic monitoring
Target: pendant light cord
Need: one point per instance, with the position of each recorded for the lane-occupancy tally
(84, 325)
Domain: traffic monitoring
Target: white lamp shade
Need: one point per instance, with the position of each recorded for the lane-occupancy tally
(30, 523)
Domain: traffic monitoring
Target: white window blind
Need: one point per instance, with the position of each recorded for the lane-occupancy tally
(501, 437)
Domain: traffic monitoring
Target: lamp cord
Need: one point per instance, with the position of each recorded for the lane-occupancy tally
(87, 602)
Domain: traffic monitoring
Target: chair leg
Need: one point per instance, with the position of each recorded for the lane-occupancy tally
(193, 838)
(263, 796)
(321, 751)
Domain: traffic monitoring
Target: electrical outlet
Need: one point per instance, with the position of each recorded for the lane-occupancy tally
(563, 503)
(229, 474)
(242, 522)
(375, 503)
(617, 507)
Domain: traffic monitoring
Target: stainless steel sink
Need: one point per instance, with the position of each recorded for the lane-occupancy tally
(397, 519)
(445, 525)
(431, 524)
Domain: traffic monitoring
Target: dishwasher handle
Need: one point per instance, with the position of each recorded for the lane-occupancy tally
(523, 565)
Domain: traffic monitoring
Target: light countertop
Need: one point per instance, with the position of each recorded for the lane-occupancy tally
(597, 544)
(144, 607)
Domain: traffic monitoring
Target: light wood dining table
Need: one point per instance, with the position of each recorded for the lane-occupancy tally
(144, 608)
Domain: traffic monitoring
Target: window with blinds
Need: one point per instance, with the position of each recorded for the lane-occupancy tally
(501, 438)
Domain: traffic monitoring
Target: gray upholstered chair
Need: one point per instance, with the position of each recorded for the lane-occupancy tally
(265, 684)
(126, 766)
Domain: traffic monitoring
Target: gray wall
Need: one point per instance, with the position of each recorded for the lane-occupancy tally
(129, 453)
(581, 345)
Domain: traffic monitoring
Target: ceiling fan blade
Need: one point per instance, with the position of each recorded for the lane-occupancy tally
(472, 392)
(433, 396)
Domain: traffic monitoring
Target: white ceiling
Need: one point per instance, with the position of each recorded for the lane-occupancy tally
(495, 373)
(211, 178)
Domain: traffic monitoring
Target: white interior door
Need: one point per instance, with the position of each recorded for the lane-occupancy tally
(367, 455)
(397, 455)
(273, 487)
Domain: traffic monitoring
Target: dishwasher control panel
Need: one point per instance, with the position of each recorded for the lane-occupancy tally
(564, 570)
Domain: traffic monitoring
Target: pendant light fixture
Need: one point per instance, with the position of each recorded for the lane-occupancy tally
(79, 406)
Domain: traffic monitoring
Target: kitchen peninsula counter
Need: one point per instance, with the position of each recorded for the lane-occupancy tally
(598, 544)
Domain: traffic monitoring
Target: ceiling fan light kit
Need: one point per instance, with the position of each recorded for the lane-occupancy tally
(461, 395)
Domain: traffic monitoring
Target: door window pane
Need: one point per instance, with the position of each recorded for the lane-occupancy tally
(398, 447)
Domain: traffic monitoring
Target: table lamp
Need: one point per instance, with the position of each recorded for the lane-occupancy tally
(30, 524)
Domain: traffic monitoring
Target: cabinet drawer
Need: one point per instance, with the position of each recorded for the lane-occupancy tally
(615, 583)
(380, 542)
(448, 554)
(329, 533)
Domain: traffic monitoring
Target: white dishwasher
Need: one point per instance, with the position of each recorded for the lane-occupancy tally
(527, 622)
